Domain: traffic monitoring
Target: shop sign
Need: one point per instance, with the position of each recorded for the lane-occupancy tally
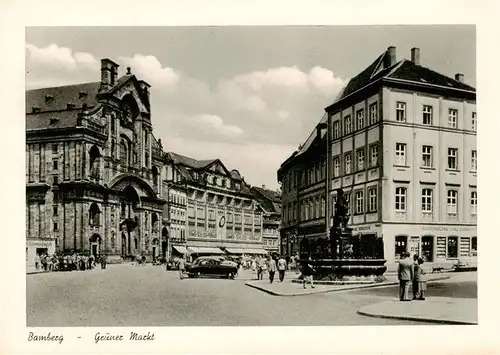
(449, 228)
(361, 229)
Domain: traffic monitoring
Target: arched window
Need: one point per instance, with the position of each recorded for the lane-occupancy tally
(94, 214)
(135, 243)
(154, 222)
(154, 172)
(123, 153)
(95, 162)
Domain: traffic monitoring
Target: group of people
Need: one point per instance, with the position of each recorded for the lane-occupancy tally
(60, 262)
(271, 265)
(410, 272)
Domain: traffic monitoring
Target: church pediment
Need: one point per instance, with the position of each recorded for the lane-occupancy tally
(142, 187)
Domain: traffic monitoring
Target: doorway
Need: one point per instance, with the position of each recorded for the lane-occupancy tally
(154, 254)
(428, 248)
(401, 245)
(124, 245)
(94, 250)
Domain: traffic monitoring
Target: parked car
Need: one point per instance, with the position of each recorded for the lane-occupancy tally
(212, 266)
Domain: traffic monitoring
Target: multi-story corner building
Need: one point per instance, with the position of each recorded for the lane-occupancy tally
(218, 209)
(93, 168)
(402, 145)
(270, 203)
(302, 177)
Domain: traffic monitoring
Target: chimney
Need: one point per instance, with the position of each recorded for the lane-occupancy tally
(459, 77)
(390, 57)
(415, 56)
(145, 88)
(109, 74)
(264, 187)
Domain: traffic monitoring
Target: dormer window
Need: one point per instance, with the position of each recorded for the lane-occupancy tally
(35, 109)
(70, 106)
(82, 94)
(49, 98)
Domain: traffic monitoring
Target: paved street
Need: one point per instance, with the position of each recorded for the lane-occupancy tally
(125, 295)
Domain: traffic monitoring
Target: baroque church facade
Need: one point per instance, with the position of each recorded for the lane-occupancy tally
(96, 176)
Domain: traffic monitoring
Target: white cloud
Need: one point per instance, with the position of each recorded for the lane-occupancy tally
(150, 69)
(325, 81)
(215, 125)
(57, 57)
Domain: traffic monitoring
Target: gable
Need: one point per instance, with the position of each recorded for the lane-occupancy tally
(218, 168)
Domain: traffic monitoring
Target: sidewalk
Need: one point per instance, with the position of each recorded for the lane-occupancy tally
(289, 288)
(442, 310)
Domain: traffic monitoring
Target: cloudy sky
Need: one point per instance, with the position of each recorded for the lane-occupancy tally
(246, 95)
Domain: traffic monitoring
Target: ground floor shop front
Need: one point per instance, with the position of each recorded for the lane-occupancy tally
(38, 246)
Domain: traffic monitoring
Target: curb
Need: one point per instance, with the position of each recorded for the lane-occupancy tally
(425, 320)
(349, 288)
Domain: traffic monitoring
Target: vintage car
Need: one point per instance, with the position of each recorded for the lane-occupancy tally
(212, 266)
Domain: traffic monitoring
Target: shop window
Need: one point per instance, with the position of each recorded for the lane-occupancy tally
(473, 245)
(452, 247)
(56, 226)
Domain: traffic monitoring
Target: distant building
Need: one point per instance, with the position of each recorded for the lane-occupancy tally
(402, 146)
(302, 178)
(93, 169)
(216, 206)
(270, 203)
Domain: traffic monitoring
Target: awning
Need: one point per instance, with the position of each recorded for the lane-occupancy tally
(205, 250)
(246, 251)
(180, 249)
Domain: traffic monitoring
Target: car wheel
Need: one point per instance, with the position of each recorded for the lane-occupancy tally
(198, 274)
(230, 275)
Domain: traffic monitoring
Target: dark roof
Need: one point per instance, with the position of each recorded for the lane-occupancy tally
(235, 174)
(366, 76)
(189, 162)
(59, 119)
(271, 195)
(61, 96)
(410, 71)
(405, 70)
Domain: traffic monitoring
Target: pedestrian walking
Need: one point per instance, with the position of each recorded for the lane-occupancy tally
(271, 268)
(37, 261)
(281, 268)
(414, 283)
(405, 276)
(307, 273)
(419, 281)
(182, 267)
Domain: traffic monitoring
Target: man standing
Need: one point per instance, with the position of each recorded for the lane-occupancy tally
(271, 268)
(281, 268)
(414, 283)
(182, 267)
(405, 276)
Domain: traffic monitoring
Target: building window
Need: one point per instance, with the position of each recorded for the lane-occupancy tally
(400, 205)
(427, 156)
(452, 118)
(400, 111)
(373, 155)
(55, 180)
(427, 200)
(347, 124)
(54, 148)
(348, 199)
(55, 164)
(360, 118)
(336, 167)
(56, 227)
(427, 115)
(94, 214)
(452, 158)
(311, 209)
(474, 121)
(373, 113)
(323, 206)
(317, 210)
(372, 205)
(348, 162)
(359, 202)
(54, 210)
(360, 155)
(452, 200)
(401, 154)
(473, 244)
(336, 129)
(473, 161)
(306, 210)
(473, 202)
(452, 247)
